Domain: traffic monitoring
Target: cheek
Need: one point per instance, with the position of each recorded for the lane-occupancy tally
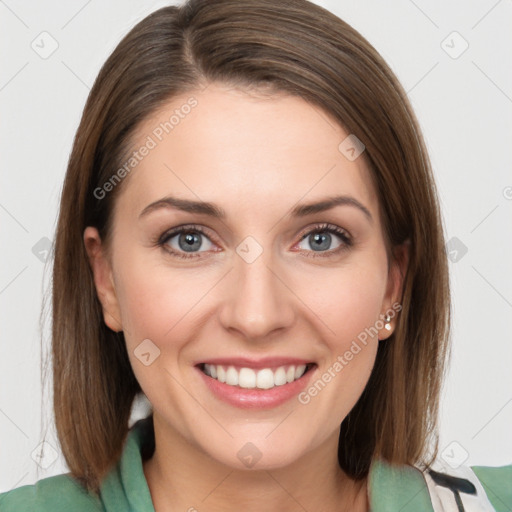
(347, 300)
(157, 304)
(346, 303)
(154, 298)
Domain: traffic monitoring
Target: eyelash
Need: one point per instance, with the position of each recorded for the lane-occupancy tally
(319, 228)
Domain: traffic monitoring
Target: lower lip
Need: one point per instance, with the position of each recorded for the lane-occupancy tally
(256, 398)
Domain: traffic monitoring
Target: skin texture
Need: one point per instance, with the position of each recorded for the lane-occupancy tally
(257, 157)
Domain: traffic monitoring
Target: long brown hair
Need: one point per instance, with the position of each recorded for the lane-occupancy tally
(301, 49)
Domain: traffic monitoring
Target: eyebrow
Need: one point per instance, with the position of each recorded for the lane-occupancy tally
(212, 210)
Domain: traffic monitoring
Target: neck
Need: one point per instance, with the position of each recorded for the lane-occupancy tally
(182, 477)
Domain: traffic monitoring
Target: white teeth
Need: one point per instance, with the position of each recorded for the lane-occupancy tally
(299, 371)
(265, 379)
(279, 377)
(232, 377)
(221, 374)
(248, 378)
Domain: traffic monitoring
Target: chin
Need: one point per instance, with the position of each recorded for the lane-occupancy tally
(256, 453)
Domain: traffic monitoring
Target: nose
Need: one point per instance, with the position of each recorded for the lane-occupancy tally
(258, 299)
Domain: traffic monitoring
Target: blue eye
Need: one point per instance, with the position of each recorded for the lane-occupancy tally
(320, 238)
(190, 241)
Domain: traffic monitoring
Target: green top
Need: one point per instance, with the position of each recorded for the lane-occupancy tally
(391, 488)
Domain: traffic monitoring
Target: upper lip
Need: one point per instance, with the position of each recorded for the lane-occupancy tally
(246, 362)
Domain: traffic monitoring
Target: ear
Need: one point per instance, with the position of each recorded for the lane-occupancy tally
(103, 280)
(396, 276)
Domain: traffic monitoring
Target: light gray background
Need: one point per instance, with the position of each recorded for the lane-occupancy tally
(465, 108)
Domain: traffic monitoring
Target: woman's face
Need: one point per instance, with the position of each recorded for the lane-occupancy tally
(265, 287)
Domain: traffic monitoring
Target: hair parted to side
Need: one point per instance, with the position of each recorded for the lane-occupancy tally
(295, 47)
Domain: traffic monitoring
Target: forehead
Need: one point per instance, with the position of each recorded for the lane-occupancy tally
(245, 151)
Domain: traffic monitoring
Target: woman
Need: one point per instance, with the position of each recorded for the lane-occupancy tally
(249, 234)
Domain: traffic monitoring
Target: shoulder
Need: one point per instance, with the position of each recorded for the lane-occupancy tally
(123, 488)
(439, 487)
(55, 494)
(482, 488)
(497, 483)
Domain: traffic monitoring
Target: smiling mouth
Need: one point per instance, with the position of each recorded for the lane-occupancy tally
(248, 378)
